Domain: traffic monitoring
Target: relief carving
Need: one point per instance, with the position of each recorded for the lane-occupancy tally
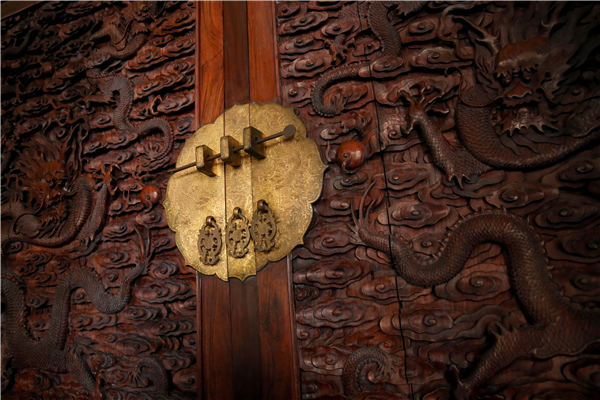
(461, 140)
(89, 124)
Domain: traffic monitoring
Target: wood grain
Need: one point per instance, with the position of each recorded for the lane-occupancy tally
(210, 87)
(216, 339)
(245, 340)
(114, 304)
(213, 294)
(264, 66)
(275, 302)
(279, 355)
(235, 42)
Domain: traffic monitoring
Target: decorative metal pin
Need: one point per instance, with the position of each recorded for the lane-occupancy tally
(263, 228)
(209, 242)
(238, 234)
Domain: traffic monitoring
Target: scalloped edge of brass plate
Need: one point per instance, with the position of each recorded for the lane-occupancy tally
(290, 179)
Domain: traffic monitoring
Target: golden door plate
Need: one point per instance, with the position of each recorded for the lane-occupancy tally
(289, 179)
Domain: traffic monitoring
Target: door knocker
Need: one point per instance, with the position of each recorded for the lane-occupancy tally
(210, 242)
(238, 234)
(263, 228)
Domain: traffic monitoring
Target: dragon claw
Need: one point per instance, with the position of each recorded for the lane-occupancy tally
(496, 328)
(462, 390)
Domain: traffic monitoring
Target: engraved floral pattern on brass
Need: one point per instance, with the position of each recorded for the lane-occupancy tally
(263, 228)
(288, 179)
(210, 242)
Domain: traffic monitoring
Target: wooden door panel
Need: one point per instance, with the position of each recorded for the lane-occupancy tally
(450, 104)
(97, 99)
(431, 116)
(254, 356)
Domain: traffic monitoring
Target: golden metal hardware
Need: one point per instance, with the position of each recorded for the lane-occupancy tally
(230, 148)
(288, 179)
(205, 160)
(238, 234)
(210, 242)
(263, 227)
(229, 151)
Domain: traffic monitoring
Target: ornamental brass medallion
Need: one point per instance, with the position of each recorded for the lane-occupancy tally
(254, 172)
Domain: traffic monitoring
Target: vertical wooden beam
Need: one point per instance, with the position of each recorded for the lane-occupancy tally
(276, 318)
(264, 68)
(213, 294)
(211, 81)
(235, 41)
(245, 339)
(279, 354)
(246, 329)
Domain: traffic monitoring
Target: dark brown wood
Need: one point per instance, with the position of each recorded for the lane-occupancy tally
(245, 340)
(435, 120)
(217, 339)
(235, 48)
(401, 348)
(214, 301)
(445, 126)
(245, 344)
(97, 100)
(280, 374)
(13, 7)
(264, 66)
(277, 332)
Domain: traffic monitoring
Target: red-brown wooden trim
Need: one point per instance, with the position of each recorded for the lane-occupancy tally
(235, 48)
(213, 294)
(245, 340)
(275, 304)
(246, 329)
(264, 82)
(211, 80)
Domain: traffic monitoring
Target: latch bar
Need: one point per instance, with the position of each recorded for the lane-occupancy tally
(250, 147)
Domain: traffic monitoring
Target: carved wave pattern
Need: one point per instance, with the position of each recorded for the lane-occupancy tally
(100, 94)
(380, 86)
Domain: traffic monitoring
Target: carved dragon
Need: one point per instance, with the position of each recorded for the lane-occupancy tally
(389, 64)
(523, 78)
(365, 367)
(481, 140)
(454, 162)
(83, 221)
(126, 37)
(546, 310)
(111, 84)
(520, 97)
(55, 206)
(49, 353)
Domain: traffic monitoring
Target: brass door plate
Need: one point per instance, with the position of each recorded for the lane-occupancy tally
(289, 178)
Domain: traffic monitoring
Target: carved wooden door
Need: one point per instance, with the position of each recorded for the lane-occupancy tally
(97, 101)
(453, 252)
(455, 249)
